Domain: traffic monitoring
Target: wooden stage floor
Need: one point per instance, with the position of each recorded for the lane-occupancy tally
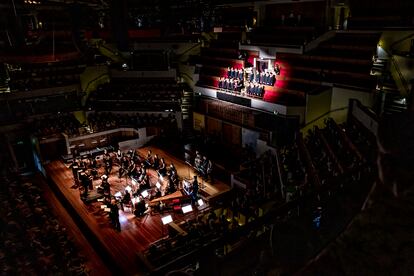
(123, 249)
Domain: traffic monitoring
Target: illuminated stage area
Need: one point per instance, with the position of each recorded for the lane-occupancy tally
(127, 249)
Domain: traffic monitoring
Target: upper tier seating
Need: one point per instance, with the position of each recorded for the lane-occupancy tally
(137, 94)
(345, 59)
(36, 76)
(282, 36)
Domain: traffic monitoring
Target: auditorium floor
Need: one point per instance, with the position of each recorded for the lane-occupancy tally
(122, 249)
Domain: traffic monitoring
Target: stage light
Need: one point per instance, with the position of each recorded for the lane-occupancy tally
(187, 209)
(145, 193)
(118, 194)
(167, 219)
(158, 185)
(128, 189)
(200, 202)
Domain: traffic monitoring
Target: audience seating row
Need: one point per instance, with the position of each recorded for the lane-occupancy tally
(31, 77)
(33, 241)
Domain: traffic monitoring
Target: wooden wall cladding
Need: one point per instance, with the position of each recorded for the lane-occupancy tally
(236, 135)
(231, 134)
(214, 126)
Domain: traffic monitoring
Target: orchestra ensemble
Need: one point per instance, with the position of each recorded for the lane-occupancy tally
(142, 196)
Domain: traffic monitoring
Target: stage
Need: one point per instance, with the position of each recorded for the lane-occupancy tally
(124, 249)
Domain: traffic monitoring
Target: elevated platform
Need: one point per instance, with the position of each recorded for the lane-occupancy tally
(123, 250)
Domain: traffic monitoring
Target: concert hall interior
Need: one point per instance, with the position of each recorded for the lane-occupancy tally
(203, 137)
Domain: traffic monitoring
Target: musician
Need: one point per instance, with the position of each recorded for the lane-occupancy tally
(148, 160)
(155, 162)
(136, 172)
(123, 166)
(142, 173)
(143, 181)
(114, 215)
(186, 187)
(83, 164)
(172, 185)
(105, 187)
(84, 179)
(119, 156)
(126, 199)
(194, 190)
(172, 180)
(162, 169)
(108, 164)
(140, 207)
(272, 79)
(197, 160)
(209, 170)
(277, 69)
(75, 168)
(172, 169)
(131, 168)
(156, 193)
(203, 167)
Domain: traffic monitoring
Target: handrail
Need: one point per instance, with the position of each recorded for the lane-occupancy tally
(323, 115)
(187, 75)
(93, 80)
(400, 40)
(403, 81)
(189, 49)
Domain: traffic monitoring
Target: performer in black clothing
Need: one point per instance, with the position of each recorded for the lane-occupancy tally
(172, 169)
(203, 167)
(209, 170)
(84, 179)
(162, 169)
(155, 162)
(105, 187)
(194, 190)
(272, 80)
(144, 184)
(75, 168)
(108, 163)
(114, 215)
(277, 69)
(148, 160)
(140, 207)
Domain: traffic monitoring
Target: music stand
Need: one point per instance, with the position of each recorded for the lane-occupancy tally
(145, 193)
(166, 220)
(186, 209)
(200, 203)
